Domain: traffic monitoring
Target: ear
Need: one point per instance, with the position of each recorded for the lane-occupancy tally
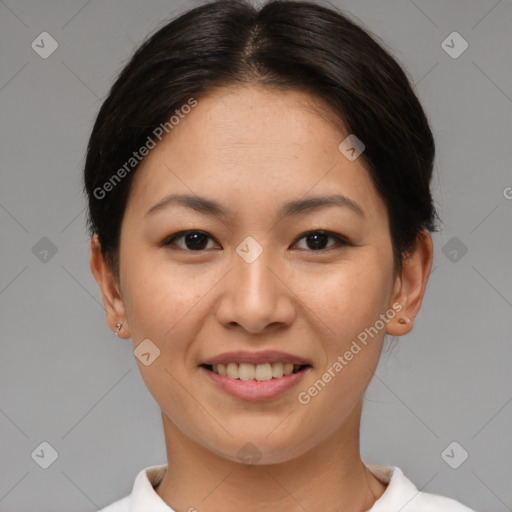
(410, 285)
(110, 290)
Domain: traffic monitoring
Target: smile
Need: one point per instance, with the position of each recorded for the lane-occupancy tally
(258, 372)
(243, 381)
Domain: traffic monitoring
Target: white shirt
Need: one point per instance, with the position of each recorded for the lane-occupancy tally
(400, 495)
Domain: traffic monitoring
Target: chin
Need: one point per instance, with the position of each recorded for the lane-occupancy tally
(259, 449)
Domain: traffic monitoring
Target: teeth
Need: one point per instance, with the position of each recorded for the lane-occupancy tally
(277, 370)
(263, 371)
(259, 372)
(232, 370)
(246, 371)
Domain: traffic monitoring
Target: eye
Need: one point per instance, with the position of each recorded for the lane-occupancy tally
(194, 240)
(318, 239)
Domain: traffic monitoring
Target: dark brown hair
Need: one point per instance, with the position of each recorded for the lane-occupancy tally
(282, 44)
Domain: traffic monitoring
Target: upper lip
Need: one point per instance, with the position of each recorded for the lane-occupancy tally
(265, 356)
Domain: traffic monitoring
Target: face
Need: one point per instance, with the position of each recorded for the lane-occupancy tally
(253, 270)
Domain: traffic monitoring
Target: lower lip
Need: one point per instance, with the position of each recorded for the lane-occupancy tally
(254, 390)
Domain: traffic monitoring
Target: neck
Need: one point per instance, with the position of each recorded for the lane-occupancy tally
(331, 476)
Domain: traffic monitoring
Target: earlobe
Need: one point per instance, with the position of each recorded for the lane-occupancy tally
(109, 287)
(122, 330)
(411, 284)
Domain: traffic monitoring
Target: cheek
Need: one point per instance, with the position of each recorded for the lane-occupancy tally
(348, 298)
(161, 305)
(349, 302)
(159, 296)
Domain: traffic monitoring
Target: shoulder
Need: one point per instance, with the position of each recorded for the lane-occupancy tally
(401, 494)
(143, 496)
(122, 505)
(426, 502)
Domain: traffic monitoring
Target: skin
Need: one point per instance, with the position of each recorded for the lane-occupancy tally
(252, 149)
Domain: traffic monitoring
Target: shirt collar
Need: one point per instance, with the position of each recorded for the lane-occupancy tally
(144, 497)
(400, 490)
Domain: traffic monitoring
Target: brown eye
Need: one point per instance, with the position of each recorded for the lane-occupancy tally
(317, 240)
(192, 240)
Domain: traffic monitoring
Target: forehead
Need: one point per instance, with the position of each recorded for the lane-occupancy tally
(256, 143)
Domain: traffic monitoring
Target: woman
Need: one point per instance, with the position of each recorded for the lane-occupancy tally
(259, 205)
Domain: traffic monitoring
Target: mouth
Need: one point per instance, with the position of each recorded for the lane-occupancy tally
(255, 372)
(256, 376)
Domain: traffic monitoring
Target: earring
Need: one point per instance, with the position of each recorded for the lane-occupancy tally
(403, 320)
(118, 327)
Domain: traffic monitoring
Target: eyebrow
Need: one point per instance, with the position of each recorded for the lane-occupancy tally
(291, 208)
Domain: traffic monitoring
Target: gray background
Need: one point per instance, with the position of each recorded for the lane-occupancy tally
(67, 380)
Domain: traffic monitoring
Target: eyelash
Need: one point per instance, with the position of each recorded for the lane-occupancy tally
(341, 241)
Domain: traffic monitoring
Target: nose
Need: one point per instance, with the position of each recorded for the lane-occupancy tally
(255, 296)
